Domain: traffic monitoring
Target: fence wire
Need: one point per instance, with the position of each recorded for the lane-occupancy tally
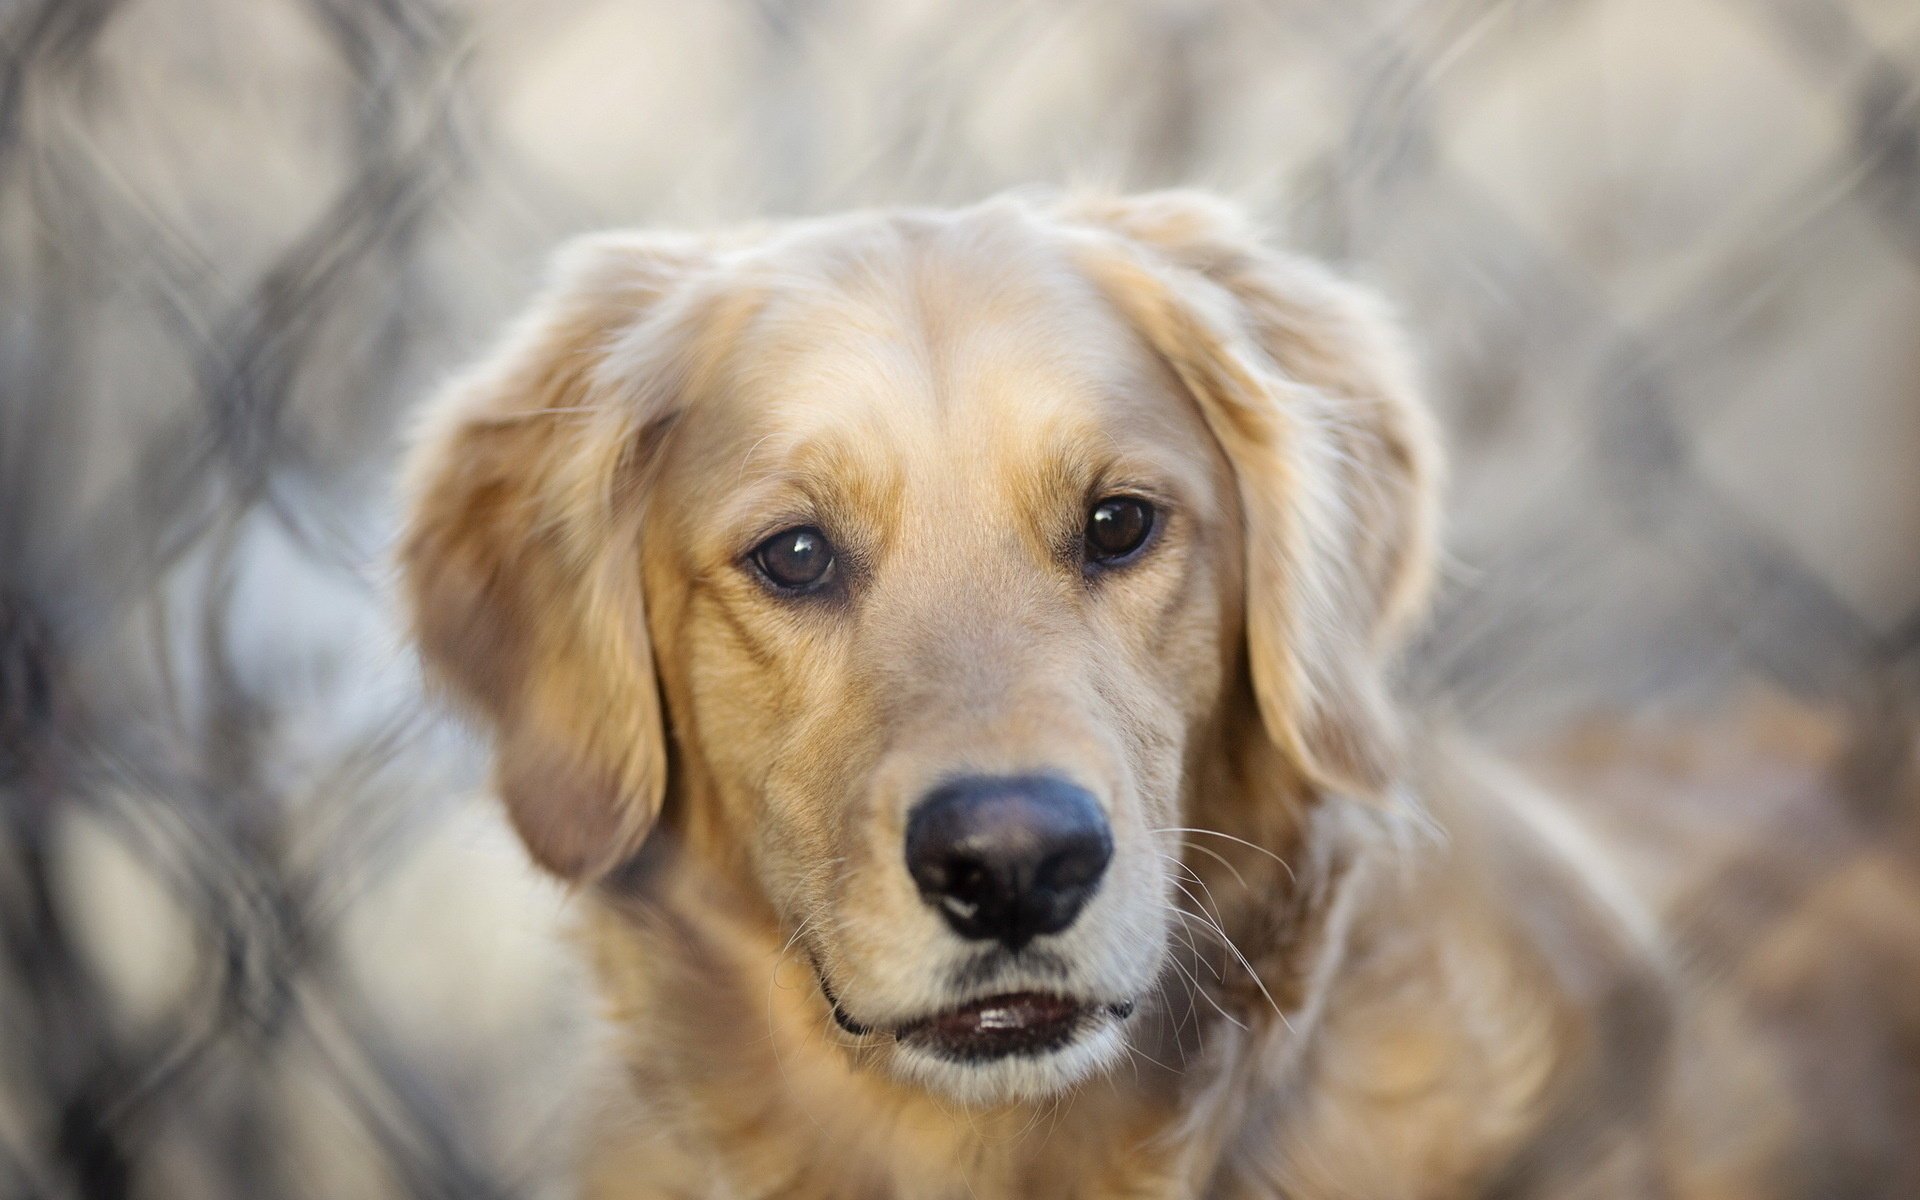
(260, 934)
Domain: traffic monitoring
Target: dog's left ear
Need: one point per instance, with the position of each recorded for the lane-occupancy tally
(520, 556)
(1305, 386)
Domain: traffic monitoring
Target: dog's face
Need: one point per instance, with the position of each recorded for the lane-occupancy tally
(946, 567)
(918, 563)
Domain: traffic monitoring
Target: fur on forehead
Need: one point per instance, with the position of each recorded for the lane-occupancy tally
(966, 280)
(934, 334)
(860, 470)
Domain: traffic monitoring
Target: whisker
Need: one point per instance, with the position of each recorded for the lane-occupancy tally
(1213, 904)
(1208, 997)
(773, 984)
(1219, 858)
(1194, 950)
(1180, 1025)
(1199, 990)
(1178, 1043)
(1136, 1052)
(1229, 945)
(1284, 865)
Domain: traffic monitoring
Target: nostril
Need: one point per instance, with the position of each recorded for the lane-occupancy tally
(965, 881)
(1078, 866)
(1008, 858)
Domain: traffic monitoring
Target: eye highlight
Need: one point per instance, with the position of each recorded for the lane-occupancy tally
(797, 560)
(1117, 527)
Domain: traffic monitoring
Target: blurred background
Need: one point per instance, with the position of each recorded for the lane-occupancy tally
(261, 934)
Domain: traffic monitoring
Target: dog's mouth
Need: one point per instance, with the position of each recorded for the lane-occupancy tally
(1003, 1026)
(1016, 1023)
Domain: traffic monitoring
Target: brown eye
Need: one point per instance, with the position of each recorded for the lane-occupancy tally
(795, 560)
(1117, 527)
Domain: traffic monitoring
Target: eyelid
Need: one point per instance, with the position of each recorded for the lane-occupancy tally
(757, 536)
(1117, 477)
(1161, 499)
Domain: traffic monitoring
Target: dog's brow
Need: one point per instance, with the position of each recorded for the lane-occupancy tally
(786, 483)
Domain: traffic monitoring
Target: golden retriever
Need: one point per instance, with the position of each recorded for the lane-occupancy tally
(950, 650)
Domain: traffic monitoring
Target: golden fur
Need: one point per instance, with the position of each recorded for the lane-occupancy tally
(1367, 963)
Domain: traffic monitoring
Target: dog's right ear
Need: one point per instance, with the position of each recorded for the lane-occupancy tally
(1311, 398)
(520, 556)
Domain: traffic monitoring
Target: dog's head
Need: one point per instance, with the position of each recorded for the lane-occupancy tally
(926, 568)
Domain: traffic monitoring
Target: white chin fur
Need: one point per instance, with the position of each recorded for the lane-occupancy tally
(1016, 1077)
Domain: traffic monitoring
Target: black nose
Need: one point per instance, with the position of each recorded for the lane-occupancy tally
(1008, 859)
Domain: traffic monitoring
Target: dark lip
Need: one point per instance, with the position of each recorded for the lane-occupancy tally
(1000, 1026)
(840, 1016)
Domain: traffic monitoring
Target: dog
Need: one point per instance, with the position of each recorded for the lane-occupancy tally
(951, 655)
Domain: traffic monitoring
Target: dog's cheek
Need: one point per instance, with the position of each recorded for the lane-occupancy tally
(813, 808)
(1169, 663)
(1150, 727)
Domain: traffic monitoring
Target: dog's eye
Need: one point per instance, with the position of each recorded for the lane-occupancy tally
(1117, 527)
(795, 560)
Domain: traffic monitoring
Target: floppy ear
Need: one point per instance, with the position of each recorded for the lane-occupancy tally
(520, 557)
(1306, 387)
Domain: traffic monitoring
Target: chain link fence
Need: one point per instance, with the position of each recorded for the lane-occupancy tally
(260, 933)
